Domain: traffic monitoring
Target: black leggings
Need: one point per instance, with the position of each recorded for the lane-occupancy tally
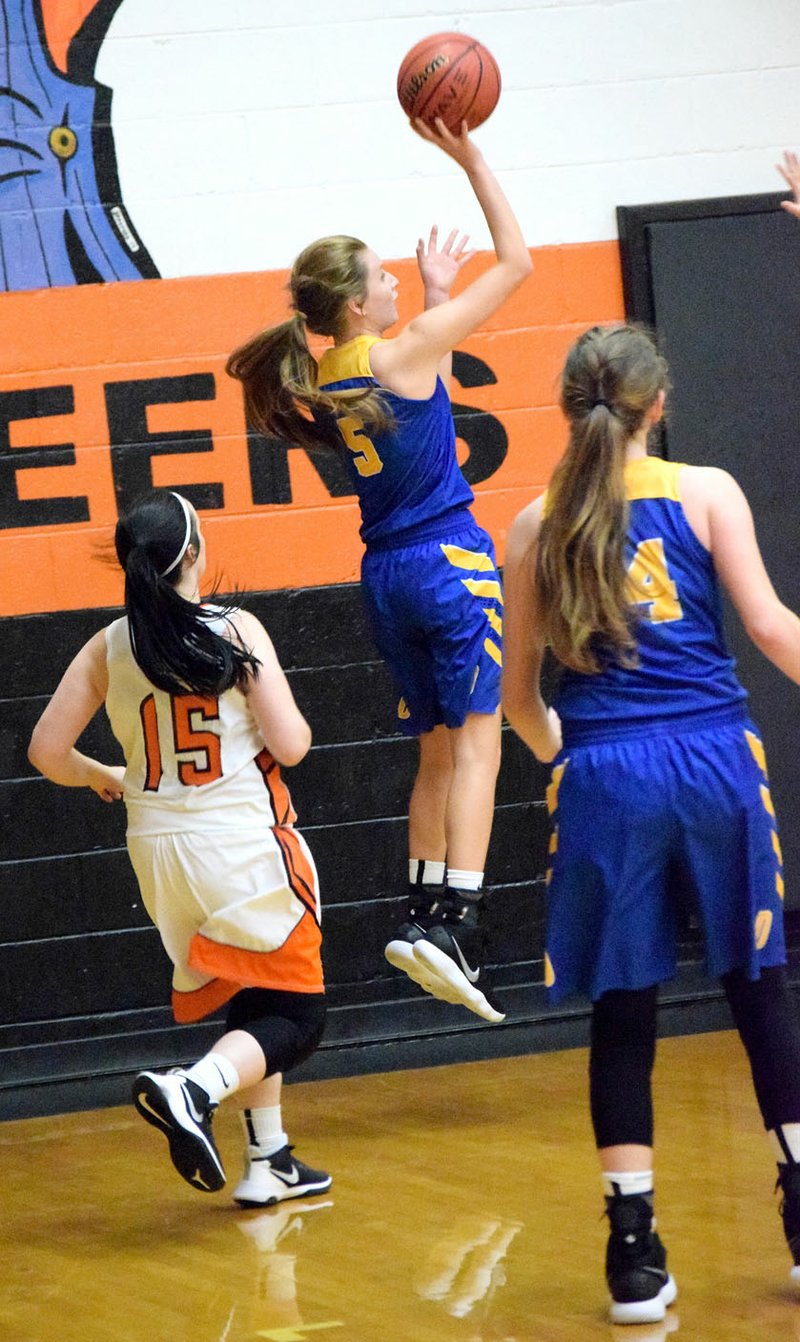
(287, 1026)
(623, 1046)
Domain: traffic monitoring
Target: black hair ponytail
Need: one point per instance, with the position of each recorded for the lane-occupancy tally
(172, 638)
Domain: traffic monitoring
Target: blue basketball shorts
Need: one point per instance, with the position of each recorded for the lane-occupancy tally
(648, 827)
(436, 612)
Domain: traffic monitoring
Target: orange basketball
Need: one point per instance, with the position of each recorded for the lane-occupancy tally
(451, 76)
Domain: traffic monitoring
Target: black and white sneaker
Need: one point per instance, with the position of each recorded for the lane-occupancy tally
(271, 1179)
(789, 1182)
(636, 1262)
(452, 952)
(182, 1111)
(423, 903)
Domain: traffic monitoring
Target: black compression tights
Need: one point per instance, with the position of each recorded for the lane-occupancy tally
(766, 1016)
(623, 1042)
(621, 1056)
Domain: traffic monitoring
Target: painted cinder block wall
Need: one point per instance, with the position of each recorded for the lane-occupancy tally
(232, 136)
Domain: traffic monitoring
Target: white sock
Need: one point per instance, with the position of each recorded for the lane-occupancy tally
(421, 871)
(464, 880)
(217, 1076)
(786, 1138)
(639, 1181)
(263, 1130)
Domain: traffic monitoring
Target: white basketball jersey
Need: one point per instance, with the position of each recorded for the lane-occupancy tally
(194, 761)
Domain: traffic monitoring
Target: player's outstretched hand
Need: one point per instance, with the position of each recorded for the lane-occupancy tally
(790, 172)
(439, 266)
(459, 147)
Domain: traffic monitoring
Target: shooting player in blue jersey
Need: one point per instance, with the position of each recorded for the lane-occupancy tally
(658, 771)
(428, 575)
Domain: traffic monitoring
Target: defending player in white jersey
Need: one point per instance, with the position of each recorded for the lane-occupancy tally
(204, 715)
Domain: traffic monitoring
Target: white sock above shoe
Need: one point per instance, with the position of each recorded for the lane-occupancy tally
(263, 1130)
(465, 880)
(422, 871)
(627, 1182)
(216, 1075)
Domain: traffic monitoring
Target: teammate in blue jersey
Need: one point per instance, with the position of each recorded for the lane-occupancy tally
(658, 771)
(428, 575)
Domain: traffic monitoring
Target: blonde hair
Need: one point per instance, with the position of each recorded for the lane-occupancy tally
(276, 367)
(611, 378)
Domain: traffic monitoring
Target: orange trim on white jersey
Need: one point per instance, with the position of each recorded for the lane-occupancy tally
(294, 967)
(192, 1006)
(282, 808)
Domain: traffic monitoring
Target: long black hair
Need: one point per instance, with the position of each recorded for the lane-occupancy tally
(172, 639)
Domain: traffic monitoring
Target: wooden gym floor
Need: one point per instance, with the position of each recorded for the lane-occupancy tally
(465, 1207)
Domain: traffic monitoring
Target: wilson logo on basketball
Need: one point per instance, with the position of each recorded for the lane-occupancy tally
(418, 81)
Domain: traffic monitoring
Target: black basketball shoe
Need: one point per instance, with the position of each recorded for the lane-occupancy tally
(452, 951)
(423, 903)
(182, 1111)
(270, 1179)
(789, 1182)
(636, 1262)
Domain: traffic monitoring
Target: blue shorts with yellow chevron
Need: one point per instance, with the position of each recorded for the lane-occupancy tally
(436, 613)
(647, 827)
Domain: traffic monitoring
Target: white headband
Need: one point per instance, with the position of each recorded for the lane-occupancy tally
(182, 551)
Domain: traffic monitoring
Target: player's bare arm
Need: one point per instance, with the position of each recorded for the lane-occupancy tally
(523, 705)
(80, 693)
(286, 733)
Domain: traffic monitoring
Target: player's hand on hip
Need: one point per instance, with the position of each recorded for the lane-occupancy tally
(106, 781)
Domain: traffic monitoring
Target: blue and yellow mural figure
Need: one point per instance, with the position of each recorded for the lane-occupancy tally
(62, 221)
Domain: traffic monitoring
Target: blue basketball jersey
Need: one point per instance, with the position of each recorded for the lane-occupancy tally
(684, 666)
(407, 478)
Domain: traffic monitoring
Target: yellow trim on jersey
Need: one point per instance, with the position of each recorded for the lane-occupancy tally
(652, 478)
(646, 478)
(779, 884)
(345, 361)
(776, 844)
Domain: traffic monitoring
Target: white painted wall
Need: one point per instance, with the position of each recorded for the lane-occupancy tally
(245, 128)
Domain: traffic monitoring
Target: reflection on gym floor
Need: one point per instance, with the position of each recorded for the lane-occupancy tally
(465, 1207)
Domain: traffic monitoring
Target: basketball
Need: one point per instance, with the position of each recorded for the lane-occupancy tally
(451, 76)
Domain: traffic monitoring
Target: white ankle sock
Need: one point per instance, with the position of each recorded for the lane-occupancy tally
(639, 1181)
(464, 880)
(217, 1076)
(424, 872)
(785, 1139)
(263, 1129)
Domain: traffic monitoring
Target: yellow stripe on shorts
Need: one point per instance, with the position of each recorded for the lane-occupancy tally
(474, 559)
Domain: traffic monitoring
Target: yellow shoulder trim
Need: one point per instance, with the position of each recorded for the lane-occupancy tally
(345, 361)
(652, 478)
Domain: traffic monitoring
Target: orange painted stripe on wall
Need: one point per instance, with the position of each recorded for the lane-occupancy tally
(97, 344)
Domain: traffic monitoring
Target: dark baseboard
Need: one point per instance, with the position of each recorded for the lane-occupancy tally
(94, 1069)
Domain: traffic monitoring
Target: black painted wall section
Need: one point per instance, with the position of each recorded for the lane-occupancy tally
(84, 983)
